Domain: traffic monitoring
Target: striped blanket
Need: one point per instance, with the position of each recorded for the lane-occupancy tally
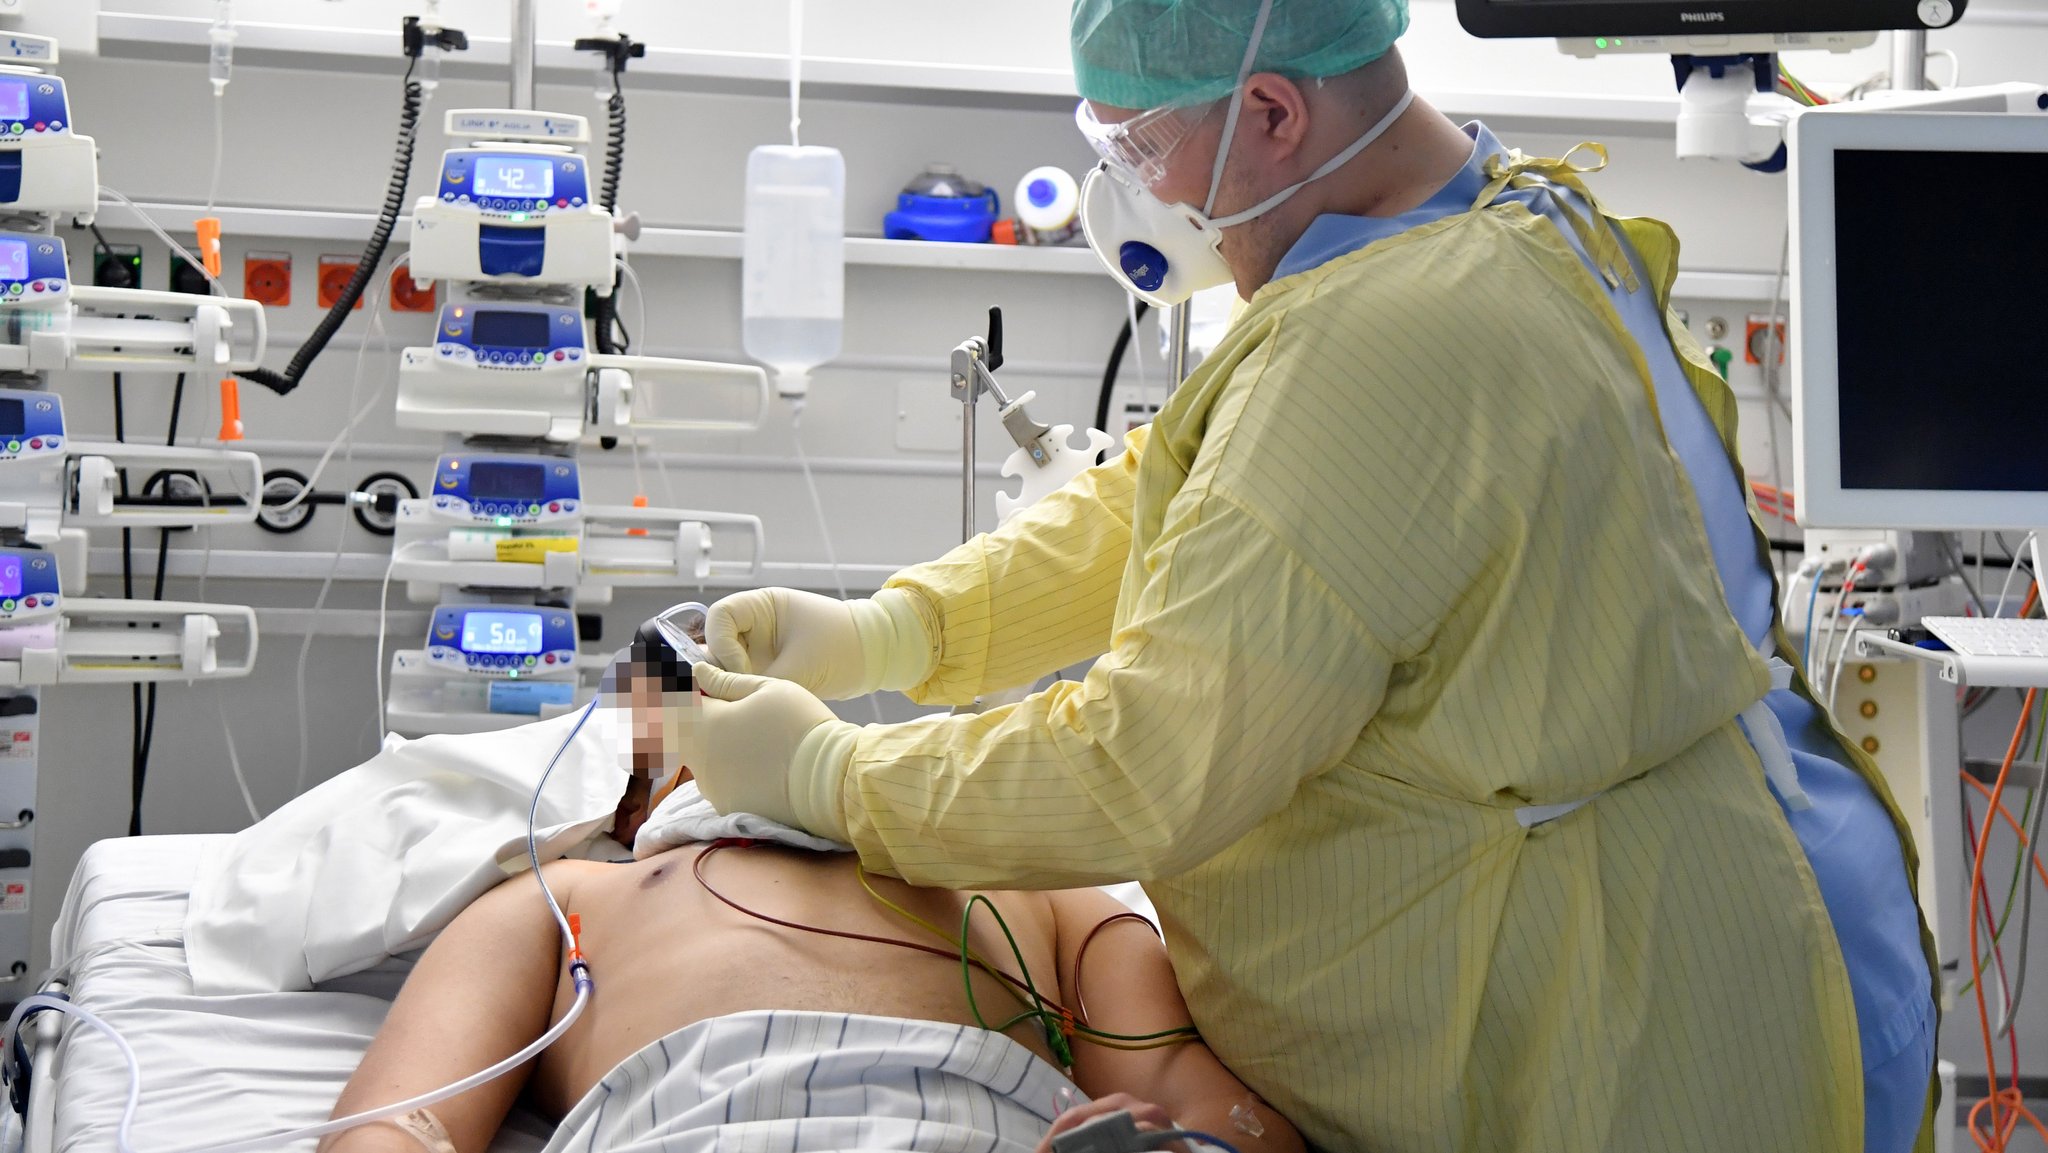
(811, 1082)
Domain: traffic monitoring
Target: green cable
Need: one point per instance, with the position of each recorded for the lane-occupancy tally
(1054, 1038)
(1051, 1022)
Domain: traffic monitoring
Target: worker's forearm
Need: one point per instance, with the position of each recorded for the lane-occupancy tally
(1217, 701)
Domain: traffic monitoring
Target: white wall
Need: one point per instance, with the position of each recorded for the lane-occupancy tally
(894, 83)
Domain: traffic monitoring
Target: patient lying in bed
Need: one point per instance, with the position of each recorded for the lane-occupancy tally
(712, 1025)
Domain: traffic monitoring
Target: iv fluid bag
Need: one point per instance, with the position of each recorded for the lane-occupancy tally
(793, 280)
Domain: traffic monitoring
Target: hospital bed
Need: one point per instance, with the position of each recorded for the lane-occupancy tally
(212, 1067)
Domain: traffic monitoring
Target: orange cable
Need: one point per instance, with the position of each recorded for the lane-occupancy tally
(2001, 1130)
(2040, 870)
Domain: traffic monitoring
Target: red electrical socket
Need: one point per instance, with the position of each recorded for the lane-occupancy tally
(267, 278)
(1757, 336)
(408, 296)
(335, 273)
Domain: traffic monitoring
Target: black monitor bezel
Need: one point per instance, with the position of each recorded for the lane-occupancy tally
(1560, 19)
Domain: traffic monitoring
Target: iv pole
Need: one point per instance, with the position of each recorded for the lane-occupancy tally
(523, 49)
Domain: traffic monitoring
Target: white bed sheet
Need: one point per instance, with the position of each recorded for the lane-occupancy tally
(213, 1068)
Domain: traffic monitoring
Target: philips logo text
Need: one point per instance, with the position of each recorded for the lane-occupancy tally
(1702, 17)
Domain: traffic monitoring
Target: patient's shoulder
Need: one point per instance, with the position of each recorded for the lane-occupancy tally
(1080, 915)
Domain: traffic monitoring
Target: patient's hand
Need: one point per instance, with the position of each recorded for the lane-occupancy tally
(1150, 1119)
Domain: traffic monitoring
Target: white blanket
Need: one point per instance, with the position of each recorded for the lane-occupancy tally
(799, 1082)
(377, 860)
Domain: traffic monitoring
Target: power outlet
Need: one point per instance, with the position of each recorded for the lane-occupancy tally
(1756, 339)
(189, 278)
(335, 273)
(406, 295)
(267, 278)
(117, 266)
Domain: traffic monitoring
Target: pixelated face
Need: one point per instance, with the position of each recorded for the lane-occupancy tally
(652, 693)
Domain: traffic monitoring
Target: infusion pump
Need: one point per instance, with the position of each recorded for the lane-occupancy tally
(46, 167)
(516, 208)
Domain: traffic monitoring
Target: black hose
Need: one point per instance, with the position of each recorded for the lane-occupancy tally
(373, 252)
(142, 740)
(604, 310)
(1116, 363)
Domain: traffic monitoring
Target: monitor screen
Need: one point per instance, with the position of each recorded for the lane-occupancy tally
(1581, 18)
(519, 176)
(524, 482)
(1939, 261)
(13, 417)
(13, 99)
(496, 328)
(13, 260)
(487, 632)
(10, 575)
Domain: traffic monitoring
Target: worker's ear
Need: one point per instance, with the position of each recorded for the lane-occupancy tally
(1274, 119)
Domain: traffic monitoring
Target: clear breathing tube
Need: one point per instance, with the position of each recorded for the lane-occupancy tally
(579, 971)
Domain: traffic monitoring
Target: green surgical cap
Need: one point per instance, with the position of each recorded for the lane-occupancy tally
(1154, 53)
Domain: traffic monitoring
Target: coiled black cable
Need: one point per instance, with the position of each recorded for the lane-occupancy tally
(604, 310)
(373, 252)
(614, 147)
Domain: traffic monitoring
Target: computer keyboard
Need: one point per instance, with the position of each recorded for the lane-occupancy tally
(1991, 636)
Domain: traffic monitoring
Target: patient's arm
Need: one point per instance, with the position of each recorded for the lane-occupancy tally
(484, 990)
(1131, 990)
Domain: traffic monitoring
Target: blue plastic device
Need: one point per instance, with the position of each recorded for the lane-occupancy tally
(506, 490)
(964, 219)
(514, 192)
(30, 107)
(31, 425)
(510, 337)
(33, 273)
(28, 586)
(510, 641)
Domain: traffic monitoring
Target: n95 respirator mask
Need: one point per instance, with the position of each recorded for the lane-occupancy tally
(1165, 253)
(1161, 253)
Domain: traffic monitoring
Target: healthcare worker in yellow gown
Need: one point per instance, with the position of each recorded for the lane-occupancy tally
(1439, 697)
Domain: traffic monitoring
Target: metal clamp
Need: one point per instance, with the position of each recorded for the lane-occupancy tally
(975, 362)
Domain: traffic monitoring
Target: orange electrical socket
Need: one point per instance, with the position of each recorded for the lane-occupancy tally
(335, 273)
(408, 296)
(267, 278)
(1758, 335)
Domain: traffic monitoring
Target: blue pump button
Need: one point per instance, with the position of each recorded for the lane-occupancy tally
(1144, 264)
(1041, 193)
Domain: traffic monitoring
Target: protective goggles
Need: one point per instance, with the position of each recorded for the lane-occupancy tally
(1142, 144)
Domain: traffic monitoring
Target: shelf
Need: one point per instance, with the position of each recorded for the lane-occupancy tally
(1960, 669)
(716, 244)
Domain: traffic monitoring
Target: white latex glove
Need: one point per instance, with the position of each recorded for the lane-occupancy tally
(770, 748)
(837, 649)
